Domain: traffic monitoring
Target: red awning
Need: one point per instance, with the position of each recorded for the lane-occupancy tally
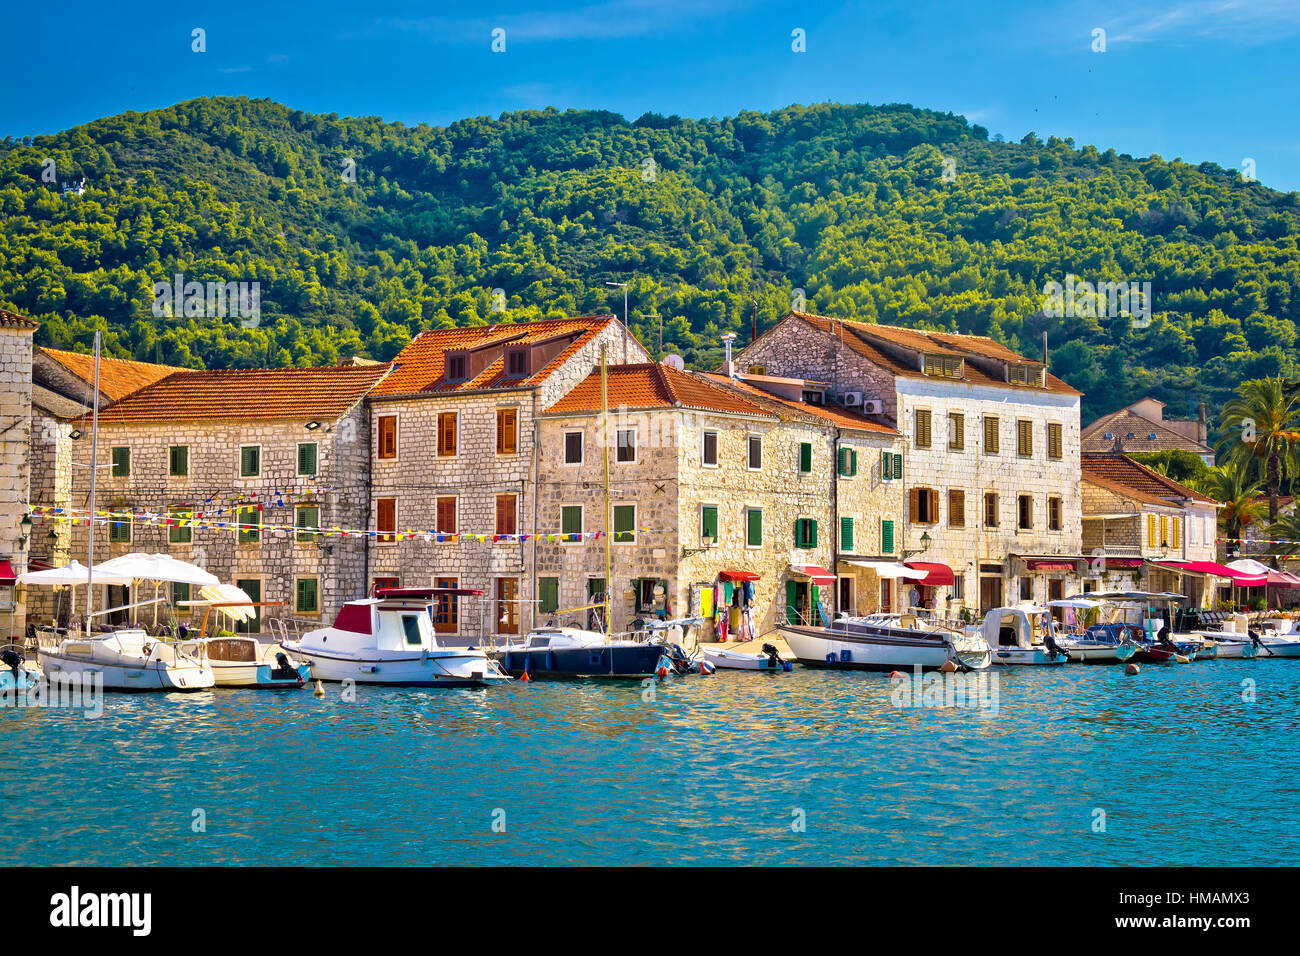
(7, 576)
(936, 575)
(1219, 570)
(737, 575)
(1048, 564)
(1122, 562)
(820, 576)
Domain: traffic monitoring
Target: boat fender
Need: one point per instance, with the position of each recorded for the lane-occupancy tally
(896, 675)
(1132, 669)
(830, 658)
(524, 676)
(662, 672)
(947, 667)
(319, 691)
(846, 654)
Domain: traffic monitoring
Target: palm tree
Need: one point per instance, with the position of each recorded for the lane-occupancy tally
(1285, 529)
(1230, 485)
(1262, 425)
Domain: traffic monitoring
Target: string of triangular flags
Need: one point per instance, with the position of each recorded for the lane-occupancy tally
(204, 521)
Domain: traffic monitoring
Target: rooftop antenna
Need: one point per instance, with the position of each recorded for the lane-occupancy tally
(727, 339)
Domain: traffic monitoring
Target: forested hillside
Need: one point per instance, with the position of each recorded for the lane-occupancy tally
(361, 232)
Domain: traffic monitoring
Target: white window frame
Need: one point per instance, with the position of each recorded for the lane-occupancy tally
(397, 435)
(717, 448)
(749, 451)
(634, 445)
(582, 448)
(261, 461)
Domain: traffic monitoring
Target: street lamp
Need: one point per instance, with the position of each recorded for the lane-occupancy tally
(24, 530)
(925, 546)
(706, 542)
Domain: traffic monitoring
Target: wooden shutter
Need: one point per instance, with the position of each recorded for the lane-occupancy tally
(922, 428)
(507, 431)
(886, 466)
(886, 537)
(180, 460)
(754, 527)
(1164, 530)
(956, 431)
(913, 504)
(846, 535)
(307, 458)
(447, 435)
(446, 515)
(1054, 441)
(506, 516)
(932, 513)
(386, 517)
(990, 435)
(791, 602)
(1153, 529)
(1025, 439)
(805, 457)
(1177, 540)
(387, 436)
(898, 466)
(956, 508)
(709, 522)
(548, 594)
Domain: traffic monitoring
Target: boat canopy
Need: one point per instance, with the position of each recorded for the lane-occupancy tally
(1080, 604)
(936, 575)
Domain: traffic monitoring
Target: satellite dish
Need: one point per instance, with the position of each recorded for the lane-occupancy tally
(674, 361)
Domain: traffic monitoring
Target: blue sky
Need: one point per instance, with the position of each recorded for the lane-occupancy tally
(1201, 80)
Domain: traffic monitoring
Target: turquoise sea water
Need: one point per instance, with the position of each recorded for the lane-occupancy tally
(713, 771)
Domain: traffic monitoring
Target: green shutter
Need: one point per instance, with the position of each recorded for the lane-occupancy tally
(178, 462)
(624, 523)
(306, 516)
(571, 519)
(548, 594)
(886, 466)
(308, 596)
(842, 461)
(812, 533)
(853, 461)
(886, 537)
(307, 458)
(898, 466)
(754, 528)
(791, 602)
(805, 533)
(805, 457)
(121, 462)
(846, 535)
(709, 522)
(249, 461)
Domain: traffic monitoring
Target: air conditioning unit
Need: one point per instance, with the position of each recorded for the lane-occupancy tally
(852, 399)
(873, 406)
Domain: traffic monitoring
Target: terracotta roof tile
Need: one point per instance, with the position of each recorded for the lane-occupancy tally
(653, 385)
(12, 320)
(118, 378)
(419, 367)
(245, 395)
(789, 408)
(1122, 472)
(1126, 422)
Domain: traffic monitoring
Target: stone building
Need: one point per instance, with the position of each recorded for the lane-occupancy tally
(992, 439)
(1142, 529)
(15, 462)
(721, 490)
(1142, 427)
(453, 461)
(220, 467)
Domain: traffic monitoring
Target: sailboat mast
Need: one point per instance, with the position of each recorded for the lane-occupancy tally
(604, 412)
(90, 518)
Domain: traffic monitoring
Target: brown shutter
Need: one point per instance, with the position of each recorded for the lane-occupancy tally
(507, 431)
(386, 517)
(447, 435)
(913, 503)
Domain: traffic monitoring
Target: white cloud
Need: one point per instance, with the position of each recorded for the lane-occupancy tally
(1238, 21)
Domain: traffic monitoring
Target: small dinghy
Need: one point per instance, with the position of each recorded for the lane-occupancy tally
(15, 675)
(769, 659)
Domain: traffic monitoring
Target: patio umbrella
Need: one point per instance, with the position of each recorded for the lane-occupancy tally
(228, 594)
(69, 575)
(157, 568)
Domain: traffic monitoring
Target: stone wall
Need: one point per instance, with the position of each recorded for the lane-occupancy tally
(15, 464)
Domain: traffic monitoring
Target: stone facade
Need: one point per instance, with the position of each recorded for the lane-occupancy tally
(15, 457)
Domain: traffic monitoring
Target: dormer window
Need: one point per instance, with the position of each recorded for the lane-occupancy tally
(1025, 375)
(943, 366)
(457, 367)
(516, 363)
(814, 398)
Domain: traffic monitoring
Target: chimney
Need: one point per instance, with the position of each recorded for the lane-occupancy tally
(1201, 433)
(1044, 348)
(728, 368)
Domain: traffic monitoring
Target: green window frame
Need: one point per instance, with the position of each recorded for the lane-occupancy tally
(306, 516)
(245, 516)
(709, 522)
(180, 592)
(307, 455)
(891, 466)
(846, 535)
(119, 532)
(805, 457)
(805, 533)
(121, 458)
(848, 462)
(625, 524)
(250, 461)
(548, 595)
(178, 461)
(306, 598)
(886, 536)
(182, 534)
(571, 519)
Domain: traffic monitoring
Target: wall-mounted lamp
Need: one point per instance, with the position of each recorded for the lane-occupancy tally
(24, 530)
(313, 425)
(925, 546)
(75, 434)
(706, 542)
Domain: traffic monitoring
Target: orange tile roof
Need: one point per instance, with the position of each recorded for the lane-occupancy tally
(1127, 422)
(118, 378)
(420, 365)
(247, 395)
(788, 407)
(12, 320)
(871, 341)
(653, 385)
(1122, 473)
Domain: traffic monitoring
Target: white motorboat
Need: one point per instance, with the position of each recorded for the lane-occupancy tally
(127, 659)
(885, 642)
(1023, 635)
(729, 658)
(389, 639)
(243, 661)
(1091, 645)
(575, 652)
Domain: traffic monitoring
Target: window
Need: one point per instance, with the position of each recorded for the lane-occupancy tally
(178, 461)
(571, 521)
(805, 457)
(753, 527)
(445, 514)
(386, 439)
(923, 506)
(886, 538)
(846, 535)
(990, 509)
(507, 514)
(625, 524)
(507, 431)
(956, 431)
(1153, 531)
(516, 363)
(625, 450)
(386, 519)
(757, 370)
(922, 435)
(755, 459)
(709, 523)
(250, 461)
(507, 609)
(1054, 441)
(307, 596)
(411, 630)
(457, 368)
(573, 448)
(1176, 533)
(446, 612)
(990, 435)
(250, 521)
(447, 434)
(958, 587)
(307, 458)
(805, 533)
(306, 516)
(180, 592)
(1025, 374)
(1026, 589)
(956, 508)
(1164, 531)
(1053, 513)
(121, 458)
(891, 466)
(178, 526)
(548, 595)
(848, 463)
(119, 532)
(1024, 438)
(943, 366)
(709, 449)
(1025, 512)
